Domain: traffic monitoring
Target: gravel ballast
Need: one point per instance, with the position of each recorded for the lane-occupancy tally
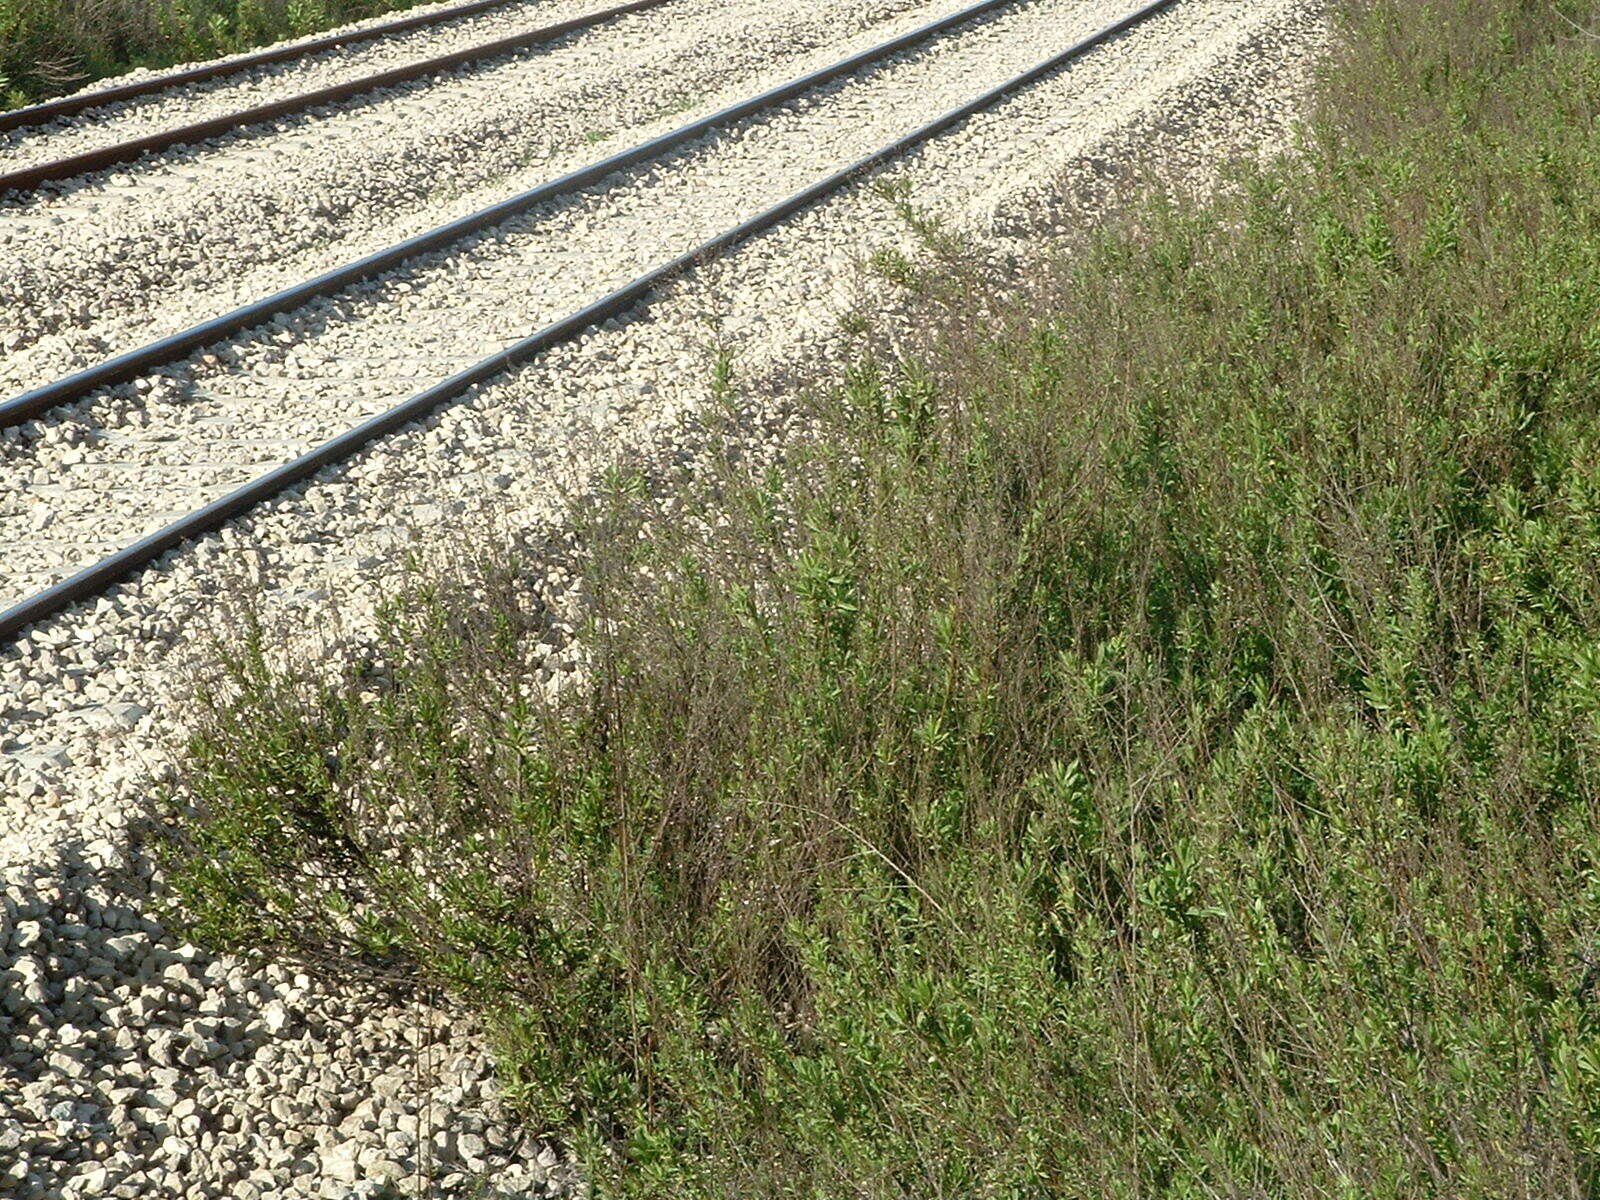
(138, 1066)
(118, 467)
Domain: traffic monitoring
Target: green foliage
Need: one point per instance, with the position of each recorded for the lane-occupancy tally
(48, 47)
(1144, 746)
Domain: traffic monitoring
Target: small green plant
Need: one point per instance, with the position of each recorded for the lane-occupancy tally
(896, 266)
(854, 324)
(678, 104)
(722, 389)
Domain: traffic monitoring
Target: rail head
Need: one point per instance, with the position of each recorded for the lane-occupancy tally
(25, 179)
(63, 106)
(96, 579)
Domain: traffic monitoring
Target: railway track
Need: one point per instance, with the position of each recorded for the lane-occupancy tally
(328, 326)
(27, 178)
(127, 366)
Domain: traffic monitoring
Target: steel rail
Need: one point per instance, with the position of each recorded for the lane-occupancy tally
(134, 362)
(93, 580)
(27, 178)
(62, 106)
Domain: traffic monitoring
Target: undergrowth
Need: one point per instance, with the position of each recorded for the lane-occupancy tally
(1147, 745)
(48, 47)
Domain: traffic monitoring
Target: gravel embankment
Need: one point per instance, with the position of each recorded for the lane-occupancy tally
(176, 1073)
(98, 266)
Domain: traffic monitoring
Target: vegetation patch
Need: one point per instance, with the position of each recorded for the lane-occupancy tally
(1146, 744)
(48, 47)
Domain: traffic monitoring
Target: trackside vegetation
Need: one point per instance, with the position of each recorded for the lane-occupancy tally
(48, 47)
(1144, 743)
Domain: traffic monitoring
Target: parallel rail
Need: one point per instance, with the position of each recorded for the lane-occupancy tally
(28, 178)
(63, 106)
(96, 579)
(127, 366)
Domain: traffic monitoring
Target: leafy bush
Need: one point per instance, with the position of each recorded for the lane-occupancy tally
(1146, 745)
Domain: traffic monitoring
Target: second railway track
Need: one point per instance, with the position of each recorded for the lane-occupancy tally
(24, 178)
(497, 216)
(159, 105)
(209, 426)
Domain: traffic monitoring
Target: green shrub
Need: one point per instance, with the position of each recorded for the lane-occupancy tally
(1143, 746)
